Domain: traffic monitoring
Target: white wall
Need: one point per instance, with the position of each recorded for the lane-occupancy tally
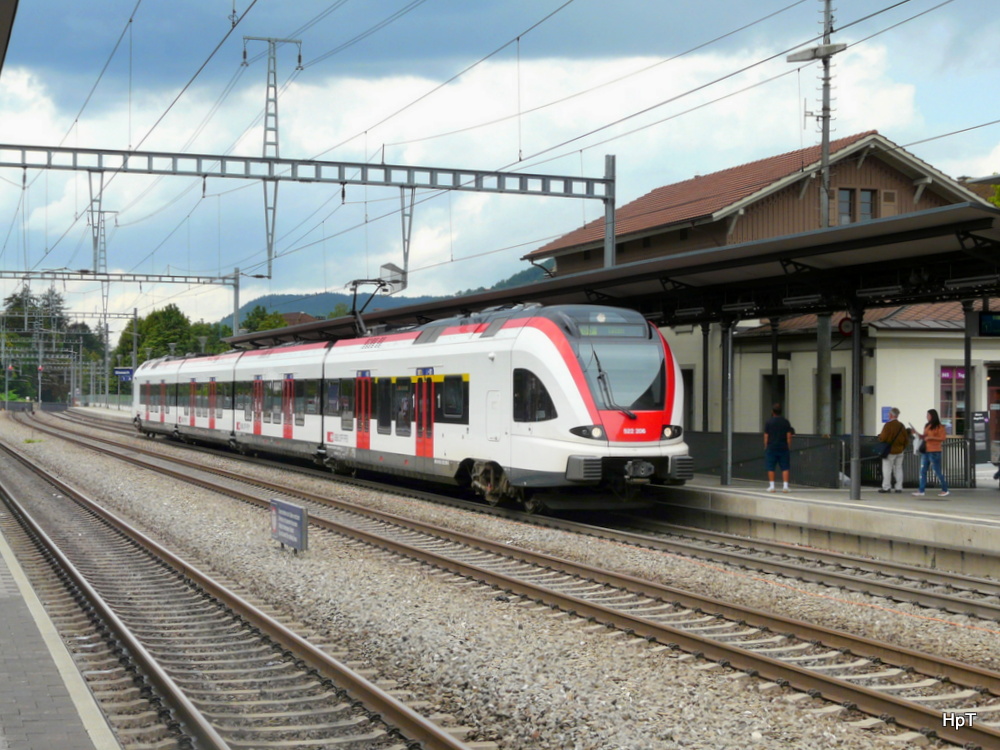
(904, 369)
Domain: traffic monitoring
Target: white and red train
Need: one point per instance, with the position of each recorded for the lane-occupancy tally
(511, 402)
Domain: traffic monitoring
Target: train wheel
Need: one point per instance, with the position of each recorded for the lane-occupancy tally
(489, 481)
(531, 502)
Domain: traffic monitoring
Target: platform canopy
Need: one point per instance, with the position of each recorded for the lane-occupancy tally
(944, 253)
(8, 9)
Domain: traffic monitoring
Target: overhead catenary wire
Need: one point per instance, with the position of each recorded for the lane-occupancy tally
(441, 85)
(597, 87)
(932, 138)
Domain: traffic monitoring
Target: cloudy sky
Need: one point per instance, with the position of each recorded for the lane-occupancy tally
(671, 88)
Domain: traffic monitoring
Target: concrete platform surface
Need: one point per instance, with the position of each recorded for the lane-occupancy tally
(45, 703)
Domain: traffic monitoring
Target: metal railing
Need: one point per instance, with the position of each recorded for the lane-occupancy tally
(822, 462)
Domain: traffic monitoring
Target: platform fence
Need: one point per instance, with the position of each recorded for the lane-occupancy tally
(819, 461)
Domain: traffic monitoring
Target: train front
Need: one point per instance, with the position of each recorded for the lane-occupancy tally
(629, 432)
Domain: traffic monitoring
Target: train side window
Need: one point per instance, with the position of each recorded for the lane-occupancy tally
(403, 406)
(311, 394)
(532, 402)
(383, 405)
(269, 402)
(243, 399)
(332, 406)
(299, 402)
(454, 400)
(347, 404)
(275, 392)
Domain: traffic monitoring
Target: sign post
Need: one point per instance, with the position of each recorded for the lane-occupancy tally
(289, 524)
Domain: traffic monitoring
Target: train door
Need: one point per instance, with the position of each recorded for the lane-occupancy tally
(212, 395)
(424, 415)
(192, 401)
(287, 406)
(363, 408)
(148, 387)
(163, 402)
(257, 401)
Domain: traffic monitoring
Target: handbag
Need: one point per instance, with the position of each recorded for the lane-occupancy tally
(919, 447)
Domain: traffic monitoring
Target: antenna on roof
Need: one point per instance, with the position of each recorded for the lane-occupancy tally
(823, 52)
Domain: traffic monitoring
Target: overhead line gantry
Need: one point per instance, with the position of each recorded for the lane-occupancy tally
(275, 170)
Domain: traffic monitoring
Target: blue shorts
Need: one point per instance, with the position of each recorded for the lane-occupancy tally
(774, 457)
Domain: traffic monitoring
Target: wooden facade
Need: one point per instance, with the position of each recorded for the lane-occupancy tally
(870, 178)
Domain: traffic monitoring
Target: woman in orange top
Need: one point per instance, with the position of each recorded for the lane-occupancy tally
(933, 436)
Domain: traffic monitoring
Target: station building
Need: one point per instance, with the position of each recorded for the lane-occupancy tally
(913, 354)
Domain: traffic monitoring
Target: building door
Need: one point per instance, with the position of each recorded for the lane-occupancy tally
(993, 401)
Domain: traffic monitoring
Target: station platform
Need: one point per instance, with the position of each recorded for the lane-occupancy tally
(45, 703)
(960, 532)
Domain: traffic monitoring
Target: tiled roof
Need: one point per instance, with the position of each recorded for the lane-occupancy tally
(700, 196)
(926, 316)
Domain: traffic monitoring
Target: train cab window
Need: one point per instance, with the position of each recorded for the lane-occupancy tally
(383, 405)
(532, 402)
(402, 404)
(347, 404)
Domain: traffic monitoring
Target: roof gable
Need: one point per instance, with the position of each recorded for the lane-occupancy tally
(713, 196)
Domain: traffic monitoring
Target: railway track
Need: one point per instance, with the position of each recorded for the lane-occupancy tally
(924, 587)
(917, 690)
(203, 667)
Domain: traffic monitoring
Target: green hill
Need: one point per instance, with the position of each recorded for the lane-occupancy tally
(320, 305)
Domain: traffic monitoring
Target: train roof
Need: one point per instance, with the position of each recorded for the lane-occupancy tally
(341, 329)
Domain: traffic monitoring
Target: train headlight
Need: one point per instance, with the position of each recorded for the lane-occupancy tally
(671, 431)
(595, 432)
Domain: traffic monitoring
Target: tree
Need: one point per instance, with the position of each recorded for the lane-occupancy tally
(340, 310)
(995, 199)
(161, 328)
(259, 319)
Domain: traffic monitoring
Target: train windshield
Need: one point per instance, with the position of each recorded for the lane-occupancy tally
(625, 375)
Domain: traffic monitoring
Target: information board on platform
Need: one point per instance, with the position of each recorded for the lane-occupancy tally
(289, 524)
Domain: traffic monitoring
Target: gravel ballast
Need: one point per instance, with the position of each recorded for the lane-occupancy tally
(521, 675)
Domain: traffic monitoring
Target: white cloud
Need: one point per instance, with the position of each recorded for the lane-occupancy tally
(175, 227)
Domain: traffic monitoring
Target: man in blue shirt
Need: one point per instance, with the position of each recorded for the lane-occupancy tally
(777, 446)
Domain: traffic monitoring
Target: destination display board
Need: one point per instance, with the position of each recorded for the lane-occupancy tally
(289, 524)
(989, 324)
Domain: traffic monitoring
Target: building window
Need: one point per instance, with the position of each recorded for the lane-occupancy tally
(867, 205)
(845, 206)
(952, 409)
(856, 205)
